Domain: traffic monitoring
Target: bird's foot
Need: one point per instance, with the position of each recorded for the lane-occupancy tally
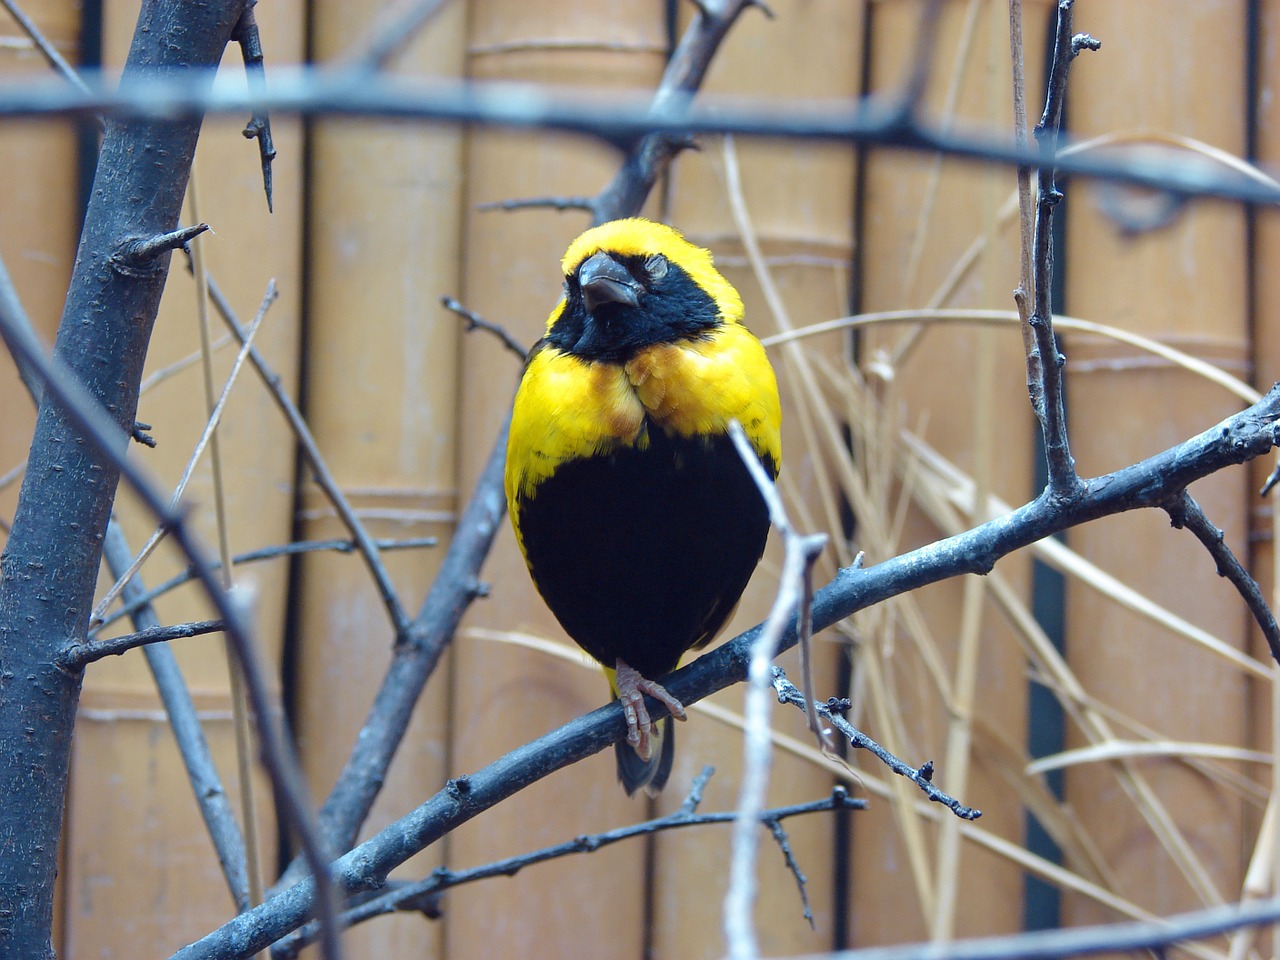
(631, 690)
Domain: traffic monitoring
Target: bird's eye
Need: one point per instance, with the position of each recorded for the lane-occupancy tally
(656, 266)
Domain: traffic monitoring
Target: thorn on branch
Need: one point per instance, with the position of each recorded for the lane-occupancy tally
(140, 435)
(259, 126)
(1184, 511)
(1083, 41)
(135, 256)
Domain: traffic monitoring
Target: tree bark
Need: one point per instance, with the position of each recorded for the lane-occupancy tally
(49, 568)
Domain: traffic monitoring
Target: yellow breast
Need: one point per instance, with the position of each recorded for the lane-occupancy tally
(567, 408)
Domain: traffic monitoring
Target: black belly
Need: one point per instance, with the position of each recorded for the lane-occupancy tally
(643, 554)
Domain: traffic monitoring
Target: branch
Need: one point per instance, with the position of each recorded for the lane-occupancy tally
(1113, 938)
(921, 776)
(77, 657)
(651, 154)
(1149, 483)
(188, 733)
(1185, 512)
(874, 120)
(443, 879)
(477, 322)
(794, 601)
(255, 556)
(1045, 362)
(393, 34)
(310, 451)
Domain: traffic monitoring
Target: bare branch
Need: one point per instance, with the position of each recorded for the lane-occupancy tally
(555, 203)
(1045, 362)
(254, 556)
(793, 602)
(393, 34)
(315, 460)
(443, 879)
(1113, 938)
(873, 121)
(1184, 511)
(477, 322)
(921, 776)
(83, 654)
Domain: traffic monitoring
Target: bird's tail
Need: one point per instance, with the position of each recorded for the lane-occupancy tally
(651, 774)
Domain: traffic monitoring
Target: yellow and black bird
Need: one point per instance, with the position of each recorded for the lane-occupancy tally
(636, 516)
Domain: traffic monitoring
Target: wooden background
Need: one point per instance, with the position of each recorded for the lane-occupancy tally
(373, 222)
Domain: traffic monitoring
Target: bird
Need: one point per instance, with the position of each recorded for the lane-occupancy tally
(636, 516)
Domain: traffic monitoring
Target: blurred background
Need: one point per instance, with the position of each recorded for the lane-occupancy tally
(1103, 698)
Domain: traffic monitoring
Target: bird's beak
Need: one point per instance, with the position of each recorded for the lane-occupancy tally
(605, 280)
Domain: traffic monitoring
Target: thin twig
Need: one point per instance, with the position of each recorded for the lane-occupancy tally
(320, 470)
(188, 733)
(86, 653)
(1026, 214)
(1184, 511)
(554, 203)
(784, 844)
(477, 322)
(921, 776)
(1046, 362)
(206, 439)
(392, 34)
(794, 601)
(443, 879)
(255, 556)
(1108, 938)
(45, 46)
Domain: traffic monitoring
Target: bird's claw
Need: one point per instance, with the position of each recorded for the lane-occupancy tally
(632, 687)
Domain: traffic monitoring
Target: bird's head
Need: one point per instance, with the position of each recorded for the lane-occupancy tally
(629, 284)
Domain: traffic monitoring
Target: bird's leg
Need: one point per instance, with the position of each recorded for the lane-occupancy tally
(631, 690)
